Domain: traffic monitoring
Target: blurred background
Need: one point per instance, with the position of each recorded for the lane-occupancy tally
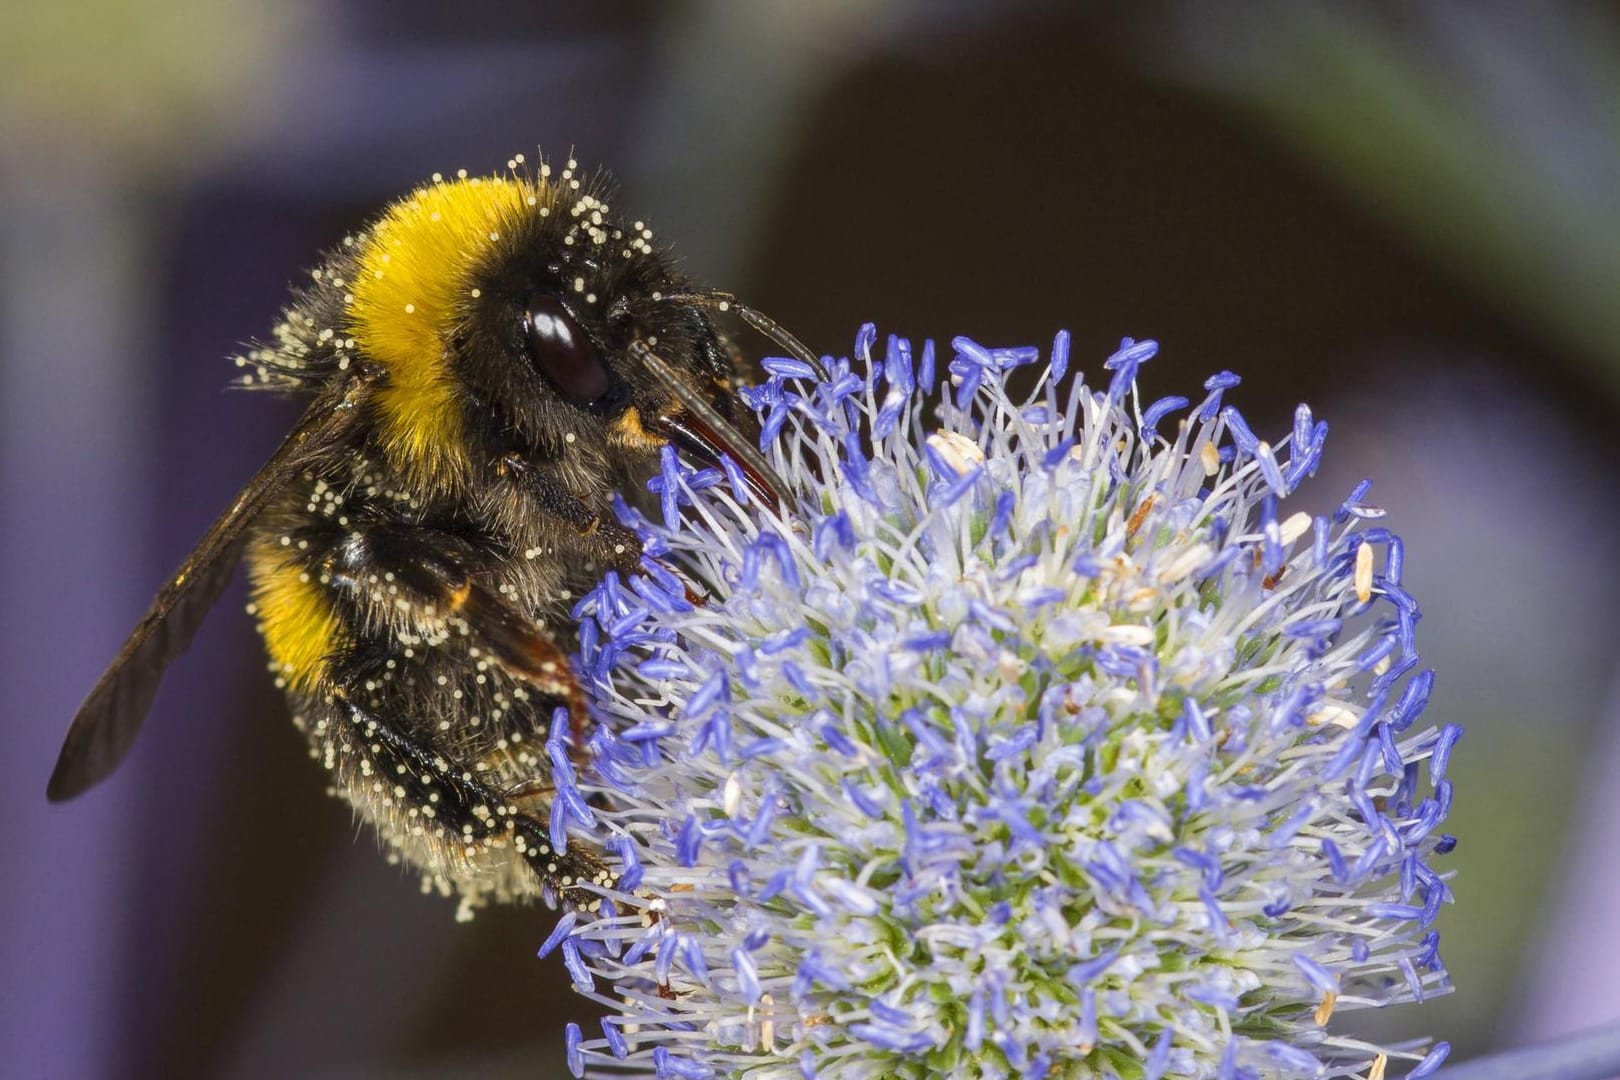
(1407, 214)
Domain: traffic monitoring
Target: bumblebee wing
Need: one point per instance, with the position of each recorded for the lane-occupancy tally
(107, 722)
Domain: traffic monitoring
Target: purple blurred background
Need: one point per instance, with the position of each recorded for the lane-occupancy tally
(1408, 218)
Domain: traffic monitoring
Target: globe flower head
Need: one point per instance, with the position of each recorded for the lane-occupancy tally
(1037, 736)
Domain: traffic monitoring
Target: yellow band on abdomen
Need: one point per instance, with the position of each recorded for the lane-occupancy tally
(301, 629)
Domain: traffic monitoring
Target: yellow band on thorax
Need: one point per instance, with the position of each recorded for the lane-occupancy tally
(413, 285)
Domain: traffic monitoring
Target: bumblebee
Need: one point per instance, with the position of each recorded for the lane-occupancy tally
(489, 361)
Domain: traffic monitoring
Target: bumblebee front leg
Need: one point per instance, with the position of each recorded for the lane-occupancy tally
(441, 814)
(600, 543)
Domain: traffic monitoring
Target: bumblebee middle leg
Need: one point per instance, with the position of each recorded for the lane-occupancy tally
(431, 578)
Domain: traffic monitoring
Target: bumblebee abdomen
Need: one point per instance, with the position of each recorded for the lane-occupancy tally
(401, 675)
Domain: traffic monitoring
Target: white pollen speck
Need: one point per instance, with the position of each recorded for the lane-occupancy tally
(1295, 527)
(438, 178)
(767, 1025)
(1127, 634)
(570, 437)
(1364, 572)
(961, 453)
(461, 174)
(1330, 712)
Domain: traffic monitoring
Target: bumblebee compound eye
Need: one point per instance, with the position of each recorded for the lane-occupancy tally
(560, 351)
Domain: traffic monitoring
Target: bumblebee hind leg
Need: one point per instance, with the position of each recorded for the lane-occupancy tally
(442, 816)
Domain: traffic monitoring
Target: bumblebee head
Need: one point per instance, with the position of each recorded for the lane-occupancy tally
(516, 315)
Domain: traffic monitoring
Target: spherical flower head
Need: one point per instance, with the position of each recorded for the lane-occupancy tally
(1034, 736)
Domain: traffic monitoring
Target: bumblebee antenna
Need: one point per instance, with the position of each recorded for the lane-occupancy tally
(722, 301)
